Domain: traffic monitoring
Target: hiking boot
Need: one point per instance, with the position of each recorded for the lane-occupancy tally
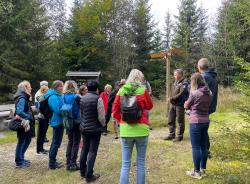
(178, 139)
(194, 174)
(74, 167)
(203, 173)
(23, 165)
(27, 162)
(57, 165)
(169, 138)
(93, 178)
(42, 153)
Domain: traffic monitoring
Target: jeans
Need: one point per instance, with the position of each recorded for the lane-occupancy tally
(127, 148)
(74, 137)
(23, 143)
(198, 137)
(88, 154)
(43, 125)
(55, 144)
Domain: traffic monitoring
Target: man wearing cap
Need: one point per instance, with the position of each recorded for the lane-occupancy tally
(92, 125)
(43, 123)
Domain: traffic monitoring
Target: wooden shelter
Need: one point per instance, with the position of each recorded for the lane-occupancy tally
(83, 77)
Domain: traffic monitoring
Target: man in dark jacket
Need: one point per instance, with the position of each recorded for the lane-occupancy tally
(210, 78)
(179, 95)
(92, 126)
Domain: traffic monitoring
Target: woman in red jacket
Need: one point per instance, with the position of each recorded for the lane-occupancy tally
(134, 127)
(105, 97)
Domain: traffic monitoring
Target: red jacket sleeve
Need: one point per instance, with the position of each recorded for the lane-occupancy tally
(148, 101)
(116, 108)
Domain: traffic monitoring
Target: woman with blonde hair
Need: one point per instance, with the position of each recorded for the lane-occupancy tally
(198, 103)
(70, 96)
(23, 111)
(134, 127)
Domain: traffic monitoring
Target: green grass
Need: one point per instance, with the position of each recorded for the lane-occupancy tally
(8, 137)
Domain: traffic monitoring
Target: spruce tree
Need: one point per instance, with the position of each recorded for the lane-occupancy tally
(190, 32)
(23, 40)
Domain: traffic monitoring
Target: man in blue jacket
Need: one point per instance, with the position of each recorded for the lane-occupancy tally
(55, 103)
(209, 75)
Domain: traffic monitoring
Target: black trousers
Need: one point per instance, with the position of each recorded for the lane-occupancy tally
(88, 154)
(43, 125)
(74, 137)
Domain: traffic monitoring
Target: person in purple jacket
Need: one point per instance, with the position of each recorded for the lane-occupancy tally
(198, 103)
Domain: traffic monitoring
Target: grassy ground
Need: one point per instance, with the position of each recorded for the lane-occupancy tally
(166, 161)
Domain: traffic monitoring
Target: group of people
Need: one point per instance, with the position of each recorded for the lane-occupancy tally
(198, 99)
(128, 105)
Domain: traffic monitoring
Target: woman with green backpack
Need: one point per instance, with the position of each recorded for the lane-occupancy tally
(130, 109)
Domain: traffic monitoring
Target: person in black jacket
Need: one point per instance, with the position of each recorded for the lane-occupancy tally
(23, 111)
(92, 123)
(118, 85)
(177, 111)
(210, 78)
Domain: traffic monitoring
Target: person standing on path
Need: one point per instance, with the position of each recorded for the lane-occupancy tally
(23, 110)
(111, 100)
(92, 123)
(70, 96)
(105, 97)
(43, 123)
(134, 127)
(210, 78)
(55, 103)
(198, 103)
(177, 111)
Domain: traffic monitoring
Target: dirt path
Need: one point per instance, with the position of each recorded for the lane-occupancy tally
(108, 161)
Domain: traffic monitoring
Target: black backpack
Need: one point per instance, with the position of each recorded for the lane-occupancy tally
(130, 110)
(43, 106)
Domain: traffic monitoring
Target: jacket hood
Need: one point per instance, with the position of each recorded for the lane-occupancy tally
(20, 93)
(130, 88)
(204, 90)
(211, 72)
(51, 92)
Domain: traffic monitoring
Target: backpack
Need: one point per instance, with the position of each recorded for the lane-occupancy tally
(43, 106)
(67, 113)
(130, 110)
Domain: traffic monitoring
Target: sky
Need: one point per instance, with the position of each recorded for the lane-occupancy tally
(160, 7)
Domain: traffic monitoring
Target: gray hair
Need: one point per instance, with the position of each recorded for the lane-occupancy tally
(108, 86)
(44, 83)
(179, 71)
(203, 64)
(135, 76)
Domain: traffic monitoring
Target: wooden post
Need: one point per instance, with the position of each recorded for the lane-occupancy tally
(167, 83)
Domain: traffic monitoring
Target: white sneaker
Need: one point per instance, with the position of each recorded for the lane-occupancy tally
(192, 173)
(203, 173)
